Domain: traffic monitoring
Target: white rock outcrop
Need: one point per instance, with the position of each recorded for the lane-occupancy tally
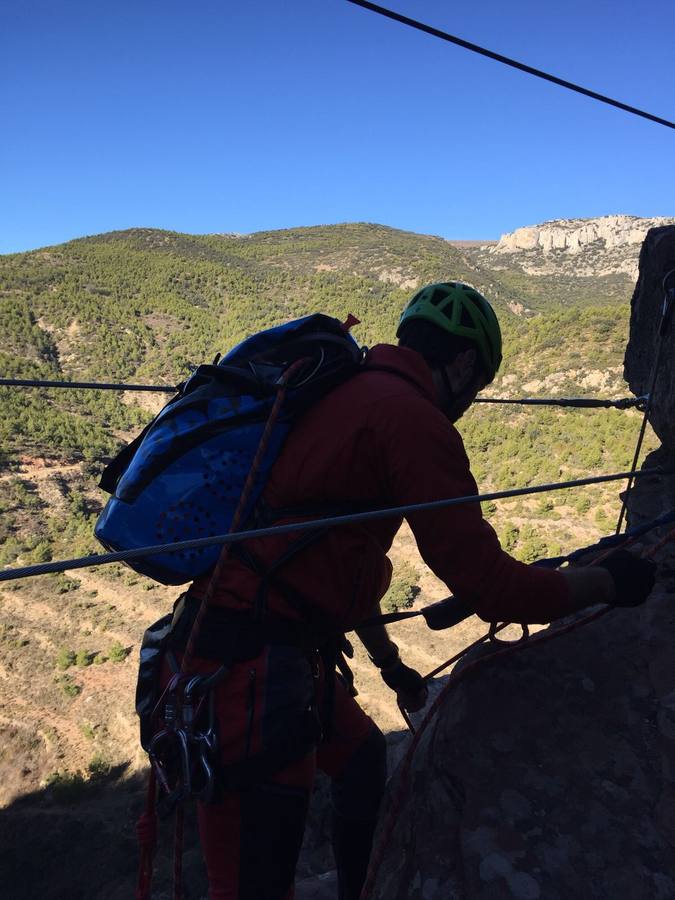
(602, 246)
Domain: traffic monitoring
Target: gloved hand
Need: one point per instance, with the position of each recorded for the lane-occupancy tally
(633, 577)
(411, 690)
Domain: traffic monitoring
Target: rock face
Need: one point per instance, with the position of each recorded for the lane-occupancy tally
(657, 259)
(602, 246)
(549, 771)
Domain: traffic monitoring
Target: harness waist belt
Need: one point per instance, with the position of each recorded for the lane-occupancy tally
(228, 636)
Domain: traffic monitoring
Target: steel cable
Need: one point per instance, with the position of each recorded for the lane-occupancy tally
(79, 385)
(507, 61)
(575, 402)
(97, 559)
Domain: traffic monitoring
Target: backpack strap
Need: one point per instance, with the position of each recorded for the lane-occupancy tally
(118, 466)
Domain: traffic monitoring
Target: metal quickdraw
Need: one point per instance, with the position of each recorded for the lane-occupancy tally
(183, 751)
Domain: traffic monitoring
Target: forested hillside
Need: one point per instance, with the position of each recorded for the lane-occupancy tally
(145, 305)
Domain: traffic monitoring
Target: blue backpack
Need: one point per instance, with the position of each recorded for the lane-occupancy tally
(182, 477)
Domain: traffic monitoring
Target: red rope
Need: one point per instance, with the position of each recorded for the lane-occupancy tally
(239, 512)
(461, 653)
(146, 831)
(652, 551)
(188, 656)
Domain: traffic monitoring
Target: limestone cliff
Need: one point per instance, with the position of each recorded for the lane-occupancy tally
(549, 771)
(593, 247)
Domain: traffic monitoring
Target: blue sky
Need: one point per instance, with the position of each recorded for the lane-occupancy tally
(222, 116)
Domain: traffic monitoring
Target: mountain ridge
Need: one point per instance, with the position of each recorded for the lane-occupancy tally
(603, 245)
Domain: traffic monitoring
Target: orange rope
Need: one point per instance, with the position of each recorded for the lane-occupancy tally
(144, 828)
(239, 513)
(188, 656)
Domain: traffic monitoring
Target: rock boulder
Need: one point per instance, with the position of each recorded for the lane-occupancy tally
(657, 259)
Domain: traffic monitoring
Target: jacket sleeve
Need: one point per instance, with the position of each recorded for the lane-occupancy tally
(423, 459)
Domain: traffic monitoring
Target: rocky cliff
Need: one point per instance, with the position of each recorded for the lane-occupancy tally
(657, 262)
(592, 247)
(549, 770)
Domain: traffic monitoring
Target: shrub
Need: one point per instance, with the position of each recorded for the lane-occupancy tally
(41, 552)
(84, 658)
(64, 584)
(68, 686)
(402, 590)
(11, 637)
(532, 549)
(508, 538)
(545, 506)
(118, 653)
(65, 658)
(9, 551)
(99, 766)
(66, 787)
(582, 504)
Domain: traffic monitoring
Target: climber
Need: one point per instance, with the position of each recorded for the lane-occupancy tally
(386, 437)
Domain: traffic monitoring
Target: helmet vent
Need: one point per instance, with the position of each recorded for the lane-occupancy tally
(438, 296)
(465, 318)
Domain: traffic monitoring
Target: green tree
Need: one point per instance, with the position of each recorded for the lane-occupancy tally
(403, 589)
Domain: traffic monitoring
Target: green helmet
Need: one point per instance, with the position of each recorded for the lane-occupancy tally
(459, 309)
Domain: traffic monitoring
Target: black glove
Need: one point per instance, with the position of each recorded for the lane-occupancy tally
(633, 577)
(397, 675)
(403, 679)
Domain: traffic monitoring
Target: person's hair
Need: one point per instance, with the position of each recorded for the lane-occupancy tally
(437, 346)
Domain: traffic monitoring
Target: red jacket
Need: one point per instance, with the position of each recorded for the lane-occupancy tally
(380, 440)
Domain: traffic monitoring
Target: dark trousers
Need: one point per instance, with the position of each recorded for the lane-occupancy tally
(251, 839)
